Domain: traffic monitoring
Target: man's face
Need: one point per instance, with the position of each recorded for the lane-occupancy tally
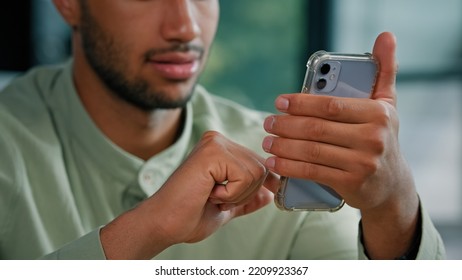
(148, 52)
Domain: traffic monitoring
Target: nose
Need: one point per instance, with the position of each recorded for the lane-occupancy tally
(180, 21)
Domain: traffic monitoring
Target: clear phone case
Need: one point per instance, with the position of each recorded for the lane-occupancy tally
(334, 74)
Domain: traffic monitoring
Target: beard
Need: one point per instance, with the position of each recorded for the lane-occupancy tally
(105, 57)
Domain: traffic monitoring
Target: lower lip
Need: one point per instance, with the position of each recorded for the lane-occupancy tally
(180, 71)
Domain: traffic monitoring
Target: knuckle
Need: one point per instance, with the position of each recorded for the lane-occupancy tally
(310, 171)
(369, 166)
(211, 145)
(318, 130)
(366, 169)
(214, 140)
(384, 115)
(261, 171)
(210, 140)
(297, 104)
(376, 142)
(314, 151)
(335, 107)
(257, 173)
(211, 135)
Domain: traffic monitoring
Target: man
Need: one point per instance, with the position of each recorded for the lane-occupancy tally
(119, 155)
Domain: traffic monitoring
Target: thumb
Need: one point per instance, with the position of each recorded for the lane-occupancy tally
(384, 52)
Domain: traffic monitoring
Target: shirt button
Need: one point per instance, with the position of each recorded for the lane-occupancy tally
(147, 178)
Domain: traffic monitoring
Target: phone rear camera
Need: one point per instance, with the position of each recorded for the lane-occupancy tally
(321, 84)
(325, 68)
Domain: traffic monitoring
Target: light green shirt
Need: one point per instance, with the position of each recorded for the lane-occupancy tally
(61, 179)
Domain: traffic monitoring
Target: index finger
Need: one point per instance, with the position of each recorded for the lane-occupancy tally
(339, 109)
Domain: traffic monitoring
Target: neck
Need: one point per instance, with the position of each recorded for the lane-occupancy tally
(139, 132)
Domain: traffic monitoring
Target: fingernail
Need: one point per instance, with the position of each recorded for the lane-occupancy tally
(267, 143)
(268, 124)
(270, 162)
(282, 103)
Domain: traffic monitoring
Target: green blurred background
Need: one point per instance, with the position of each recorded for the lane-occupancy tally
(258, 52)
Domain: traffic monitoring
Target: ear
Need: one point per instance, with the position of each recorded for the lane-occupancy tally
(69, 10)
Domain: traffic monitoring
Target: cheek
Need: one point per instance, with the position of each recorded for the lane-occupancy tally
(207, 15)
(209, 31)
(131, 48)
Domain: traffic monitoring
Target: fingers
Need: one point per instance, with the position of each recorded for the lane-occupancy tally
(312, 152)
(313, 156)
(261, 198)
(384, 52)
(344, 110)
(245, 172)
(237, 172)
(261, 195)
(313, 129)
(365, 134)
(332, 153)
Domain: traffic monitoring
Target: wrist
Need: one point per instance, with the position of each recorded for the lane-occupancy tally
(413, 249)
(129, 236)
(390, 232)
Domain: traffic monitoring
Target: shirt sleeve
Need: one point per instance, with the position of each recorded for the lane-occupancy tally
(88, 247)
(327, 236)
(431, 245)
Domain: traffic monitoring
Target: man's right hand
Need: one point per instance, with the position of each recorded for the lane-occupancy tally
(220, 180)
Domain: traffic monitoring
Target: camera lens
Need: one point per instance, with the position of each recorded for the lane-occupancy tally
(325, 68)
(321, 84)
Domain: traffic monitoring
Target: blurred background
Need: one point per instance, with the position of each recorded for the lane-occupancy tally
(261, 50)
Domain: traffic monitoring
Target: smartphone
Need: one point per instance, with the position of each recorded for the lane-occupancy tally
(333, 74)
